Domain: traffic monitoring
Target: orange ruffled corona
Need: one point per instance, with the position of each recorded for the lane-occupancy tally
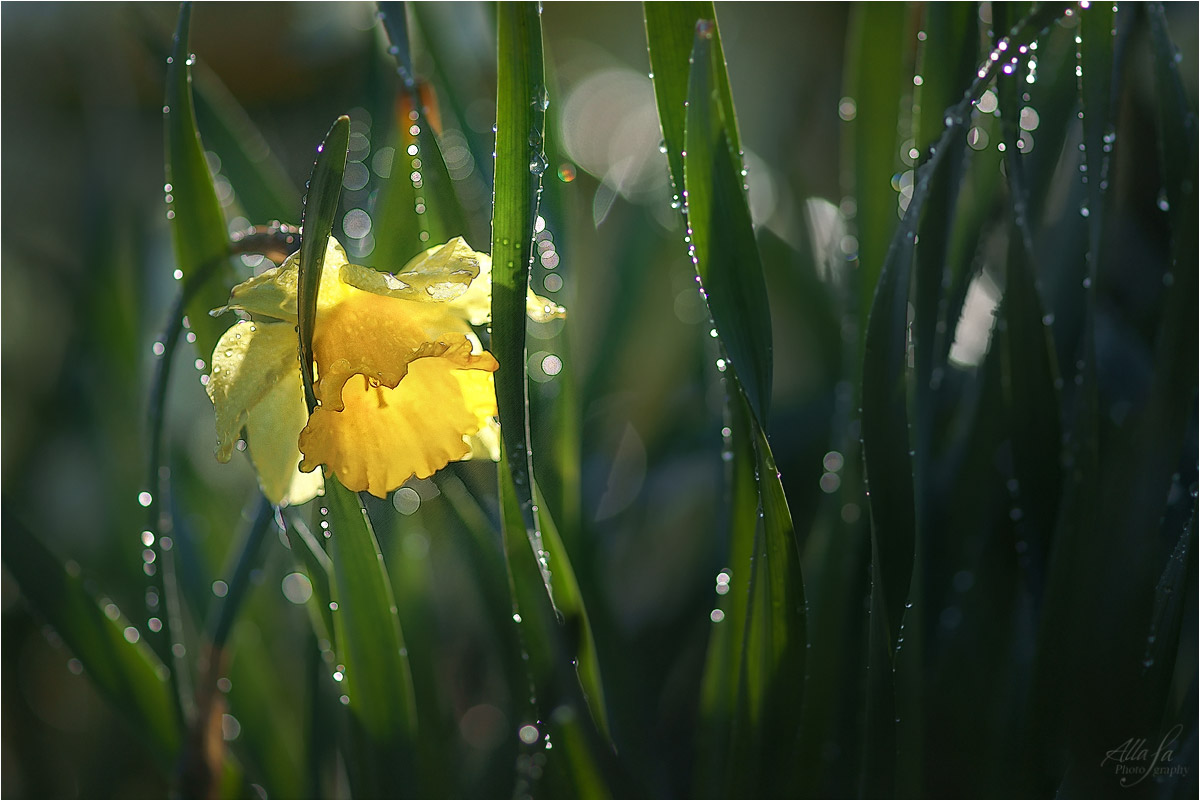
(403, 385)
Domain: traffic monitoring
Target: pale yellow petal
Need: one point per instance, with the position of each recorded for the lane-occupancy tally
(485, 443)
(441, 273)
(273, 434)
(255, 384)
(475, 304)
(273, 293)
(383, 436)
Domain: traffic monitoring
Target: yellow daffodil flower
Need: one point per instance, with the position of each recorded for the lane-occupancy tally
(403, 385)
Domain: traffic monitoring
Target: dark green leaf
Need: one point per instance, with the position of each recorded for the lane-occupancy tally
(320, 207)
(724, 249)
(878, 66)
(520, 115)
(197, 223)
(753, 682)
(376, 680)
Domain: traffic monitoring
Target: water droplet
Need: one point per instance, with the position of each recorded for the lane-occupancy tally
(145, 499)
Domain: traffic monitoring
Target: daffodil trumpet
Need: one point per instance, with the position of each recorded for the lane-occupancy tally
(403, 385)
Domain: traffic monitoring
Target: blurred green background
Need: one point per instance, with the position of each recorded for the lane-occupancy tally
(86, 267)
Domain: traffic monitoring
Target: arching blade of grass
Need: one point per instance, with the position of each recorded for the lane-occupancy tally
(320, 207)
(754, 679)
(373, 662)
(197, 223)
(377, 682)
(520, 115)
(885, 434)
(125, 672)
(201, 248)
(725, 253)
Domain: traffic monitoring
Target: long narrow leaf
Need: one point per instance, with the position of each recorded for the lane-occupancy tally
(373, 662)
(197, 223)
(753, 684)
(320, 206)
(521, 103)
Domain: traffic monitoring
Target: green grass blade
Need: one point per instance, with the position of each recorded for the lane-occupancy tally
(753, 682)
(377, 682)
(320, 207)
(441, 216)
(126, 673)
(520, 115)
(520, 118)
(373, 662)
(724, 249)
(573, 614)
(670, 35)
(197, 223)
(877, 69)
(697, 117)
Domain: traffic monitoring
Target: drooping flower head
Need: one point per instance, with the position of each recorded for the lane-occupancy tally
(402, 383)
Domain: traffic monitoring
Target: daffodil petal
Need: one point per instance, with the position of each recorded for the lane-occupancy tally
(379, 337)
(383, 436)
(273, 294)
(255, 384)
(273, 430)
(475, 304)
(485, 443)
(441, 273)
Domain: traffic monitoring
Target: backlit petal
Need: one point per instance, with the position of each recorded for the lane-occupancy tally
(439, 274)
(475, 305)
(383, 436)
(378, 337)
(273, 293)
(255, 384)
